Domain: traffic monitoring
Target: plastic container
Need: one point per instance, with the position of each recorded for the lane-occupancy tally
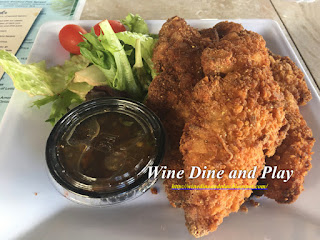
(100, 191)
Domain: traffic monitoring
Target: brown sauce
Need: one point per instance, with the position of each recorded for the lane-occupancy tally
(110, 146)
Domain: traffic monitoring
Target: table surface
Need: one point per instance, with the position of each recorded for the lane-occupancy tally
(299, 20)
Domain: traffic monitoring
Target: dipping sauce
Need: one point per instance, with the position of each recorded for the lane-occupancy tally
(100, 152)
(108, 147)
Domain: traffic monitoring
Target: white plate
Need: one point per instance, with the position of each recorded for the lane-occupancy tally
(30, 207)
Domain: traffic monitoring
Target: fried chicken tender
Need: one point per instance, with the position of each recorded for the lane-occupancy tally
(177, 59)
(237, 120)
(296, 150)
(293, 154)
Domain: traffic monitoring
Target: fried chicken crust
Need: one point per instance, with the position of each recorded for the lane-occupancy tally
(177, 58)
(287, 74)
(290, 78)
(224, 28)
(237, 119)
(210, 33)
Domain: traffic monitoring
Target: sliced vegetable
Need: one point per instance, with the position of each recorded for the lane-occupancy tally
(70, 36)
(62, 75)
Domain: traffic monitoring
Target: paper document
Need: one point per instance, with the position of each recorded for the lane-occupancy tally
(14, 26)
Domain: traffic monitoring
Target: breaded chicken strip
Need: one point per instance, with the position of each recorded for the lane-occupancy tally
(295, 151)
(293, 154)
(237, 117)
(290, 78)
(177, 59)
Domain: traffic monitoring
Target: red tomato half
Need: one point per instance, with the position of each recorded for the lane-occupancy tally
(70, 37)
(116, 26)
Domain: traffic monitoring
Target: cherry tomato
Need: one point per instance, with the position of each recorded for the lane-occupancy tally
(116, 26)
(70, 37)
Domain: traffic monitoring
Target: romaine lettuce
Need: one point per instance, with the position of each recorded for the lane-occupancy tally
(52, 83)
(36, 79)
(126, 67)
(108, 54)
(135, 24)
(61, 104)
(147, 44)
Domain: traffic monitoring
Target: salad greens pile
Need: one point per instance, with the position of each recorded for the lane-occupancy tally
(119, 60)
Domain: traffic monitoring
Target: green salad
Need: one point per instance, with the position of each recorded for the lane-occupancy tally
(119, 60)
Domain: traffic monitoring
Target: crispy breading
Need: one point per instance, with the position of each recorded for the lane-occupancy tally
(287, 74)
(218, 31)
(177, 59)
(290, 78)
(210, 33)
(221, 61)
(224, 28)
(237, 117)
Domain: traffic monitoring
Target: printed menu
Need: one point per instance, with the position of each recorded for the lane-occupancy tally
(14, 26)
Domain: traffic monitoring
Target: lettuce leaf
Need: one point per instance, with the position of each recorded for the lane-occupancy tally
(36, 79)
(124, 80)
(109, 55)
(53, 83)
(93, 50)
(62, 75)
(62, 103)
(139, 69)
(135, 23)
(91, 75)
(31, 78)
(147, 45)
(80, 88)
